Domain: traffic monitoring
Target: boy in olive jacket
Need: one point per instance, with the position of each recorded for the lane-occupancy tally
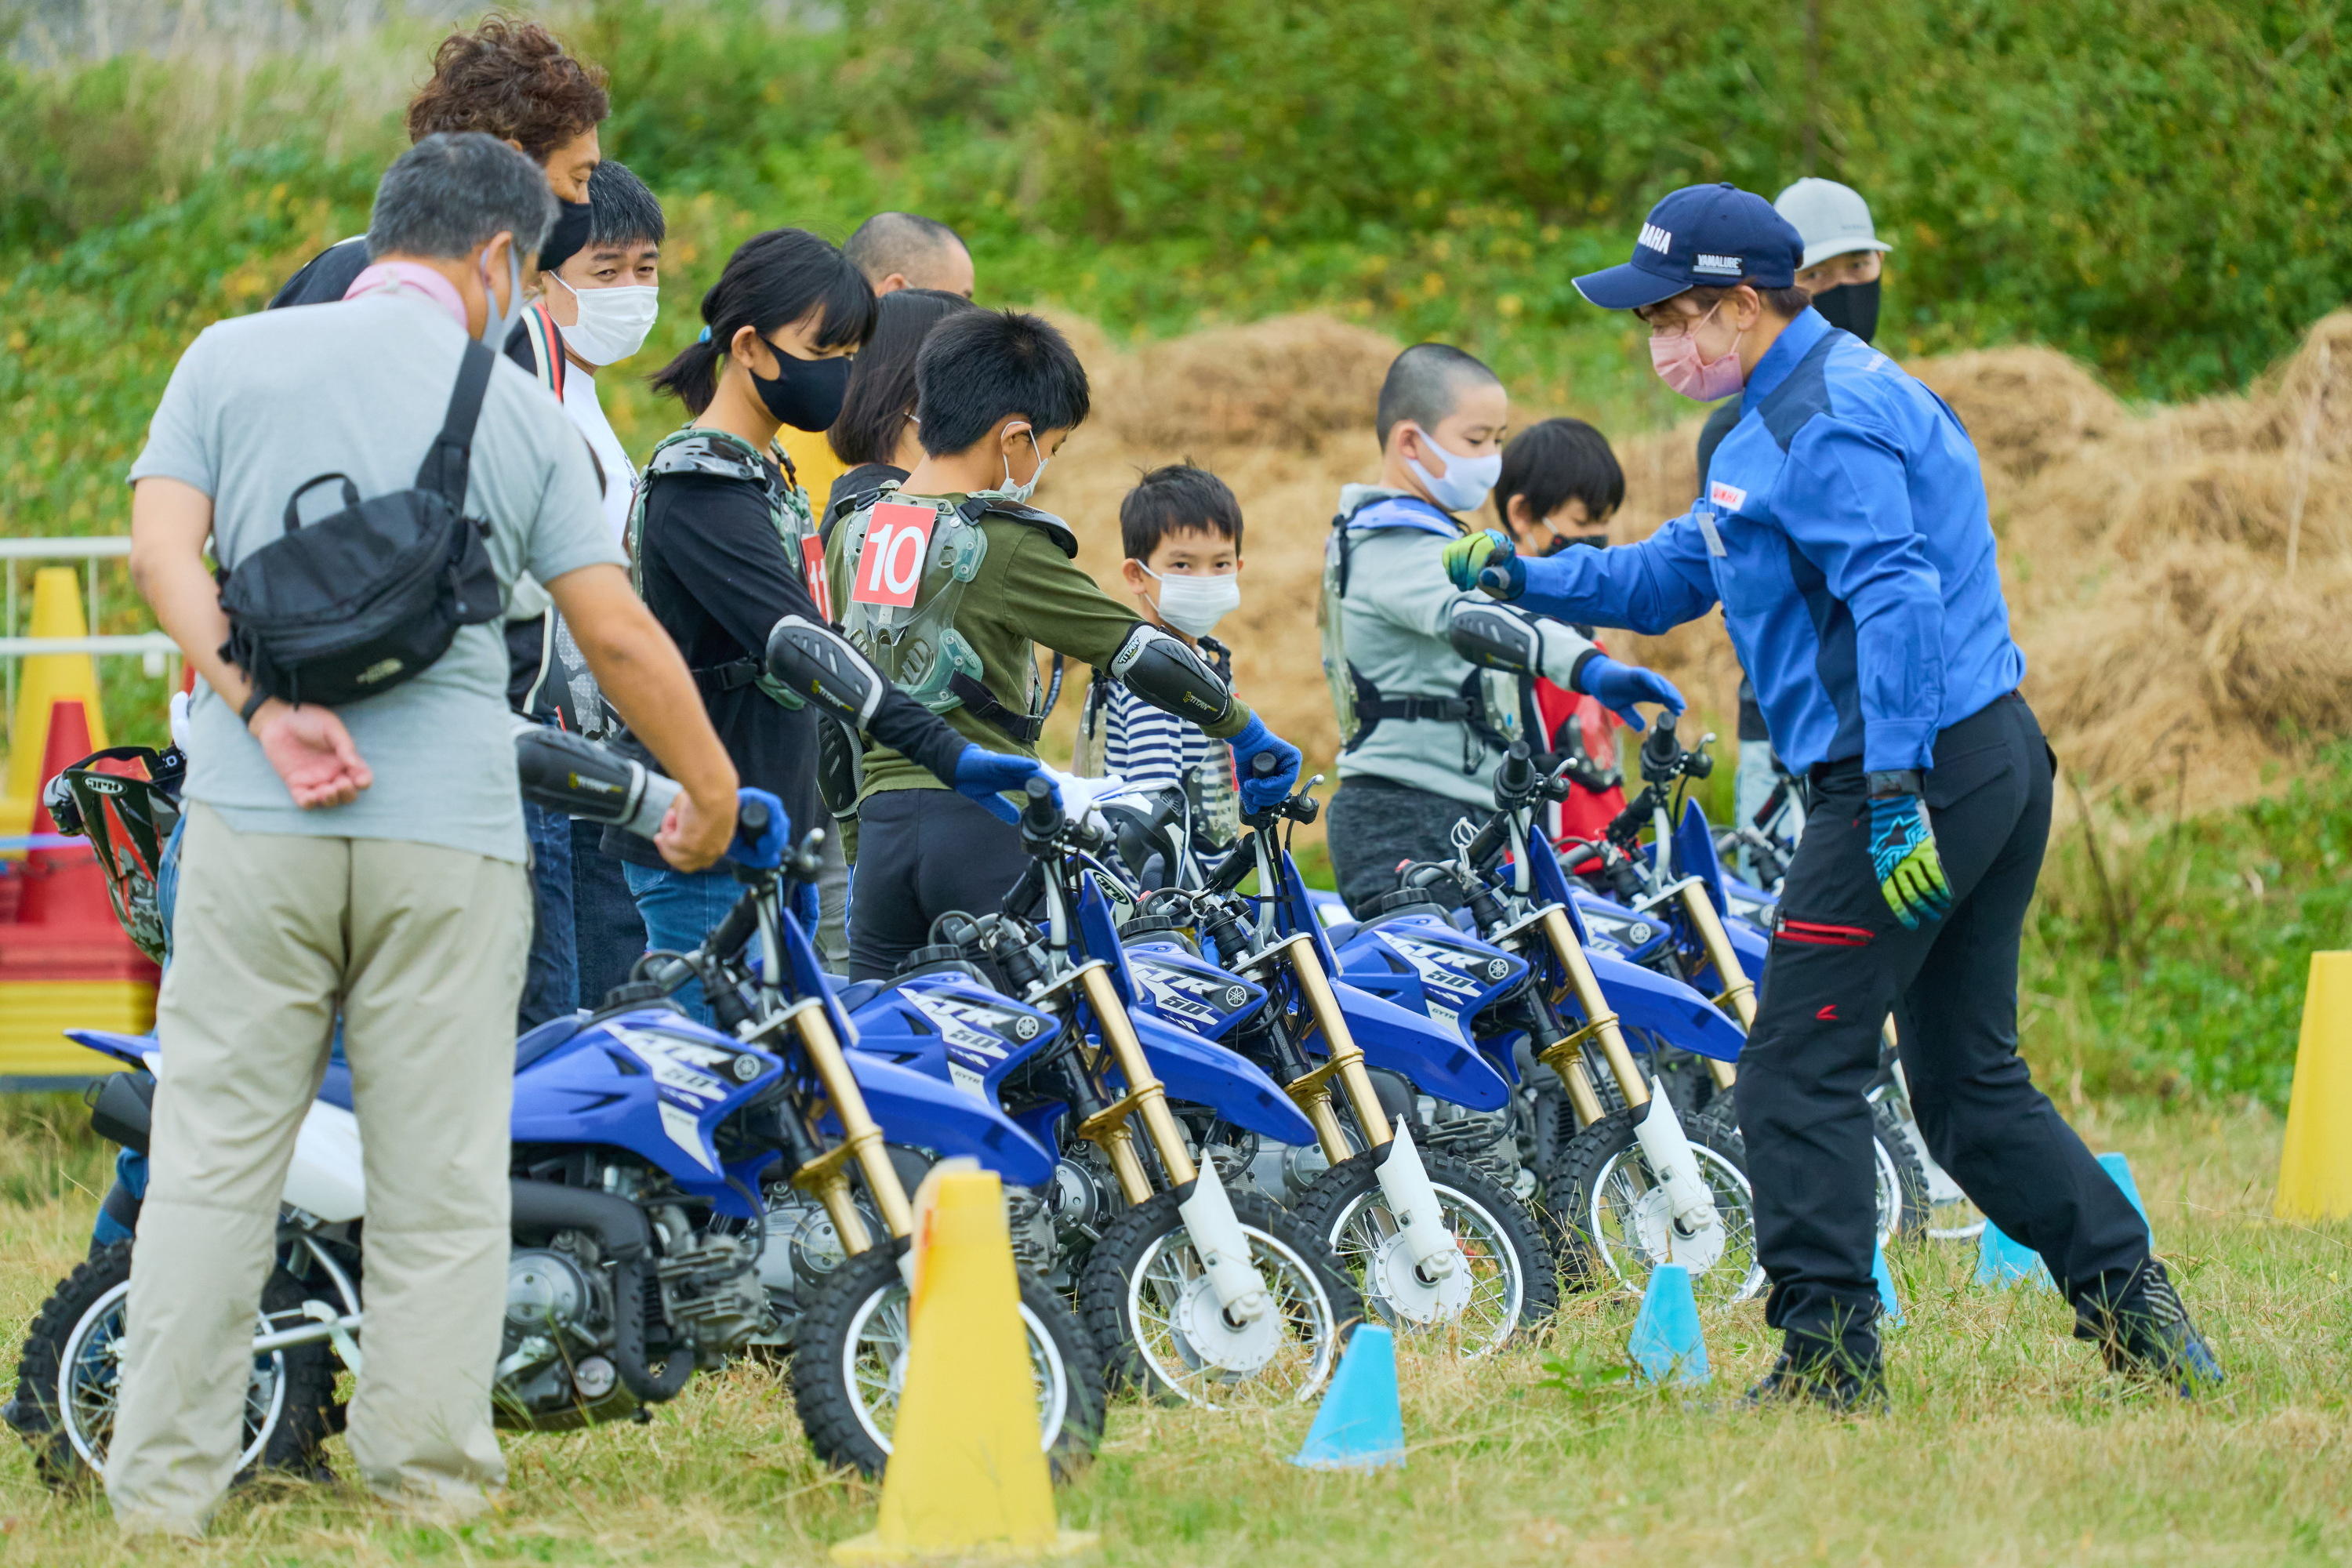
(948, 582)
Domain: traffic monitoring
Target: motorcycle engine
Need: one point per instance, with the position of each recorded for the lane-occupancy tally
(554, 1357)
(803, 1246)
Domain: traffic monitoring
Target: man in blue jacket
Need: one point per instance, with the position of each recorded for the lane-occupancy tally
(1843, 531)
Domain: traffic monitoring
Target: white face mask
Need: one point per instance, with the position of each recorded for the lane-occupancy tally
(1194, 605)
(1019, 494)
(613, 321)
(1467, 479)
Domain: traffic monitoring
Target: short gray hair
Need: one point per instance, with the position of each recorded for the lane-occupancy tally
(900, 243)
(1426, 384)
(454, 190)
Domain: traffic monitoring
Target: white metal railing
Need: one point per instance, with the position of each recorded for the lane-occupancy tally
(159, 652)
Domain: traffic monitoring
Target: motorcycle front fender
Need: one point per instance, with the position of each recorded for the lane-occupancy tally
(915, 1108)
(1433, 1055)
(1645, 999)
(1206, 1073)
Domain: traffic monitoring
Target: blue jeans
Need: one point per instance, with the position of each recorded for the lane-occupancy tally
(551, 984)
(679, 908)
(612, 935)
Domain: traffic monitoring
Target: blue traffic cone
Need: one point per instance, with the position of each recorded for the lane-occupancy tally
(2003, 1262)
(1359, 1425)
(1666, 1344)
(1890, 1310)
(2120, 1169)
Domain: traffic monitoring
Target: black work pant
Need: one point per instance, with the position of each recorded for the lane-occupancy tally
(1840, 960)
(922, 853)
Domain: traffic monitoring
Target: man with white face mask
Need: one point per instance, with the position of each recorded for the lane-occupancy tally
(605, 297)
(1430, 682)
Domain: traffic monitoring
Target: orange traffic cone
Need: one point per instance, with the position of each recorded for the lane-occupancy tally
(65, 960)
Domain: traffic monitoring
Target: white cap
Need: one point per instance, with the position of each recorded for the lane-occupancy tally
(1831, 218)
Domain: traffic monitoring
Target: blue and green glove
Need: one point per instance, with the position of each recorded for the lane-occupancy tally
(1488, 560)
(985, 777)
(1903, 854)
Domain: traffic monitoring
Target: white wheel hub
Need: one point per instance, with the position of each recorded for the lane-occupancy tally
(1211, 1336)
(1653, 1219)
(1391, 1276)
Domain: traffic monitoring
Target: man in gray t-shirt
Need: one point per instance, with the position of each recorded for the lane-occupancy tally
(365, 862)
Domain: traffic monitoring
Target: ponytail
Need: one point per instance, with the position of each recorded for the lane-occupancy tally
(772, 280)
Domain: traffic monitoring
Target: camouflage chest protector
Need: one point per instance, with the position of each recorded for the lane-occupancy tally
(918, 647)
(719, 454)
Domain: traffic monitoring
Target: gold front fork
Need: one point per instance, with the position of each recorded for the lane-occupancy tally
(1566, 1057)
(1107, 1129)
(1343, 1059)
(827, 1177)
(1739, 991)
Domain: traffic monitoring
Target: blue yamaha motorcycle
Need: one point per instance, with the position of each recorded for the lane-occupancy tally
(651, 1157)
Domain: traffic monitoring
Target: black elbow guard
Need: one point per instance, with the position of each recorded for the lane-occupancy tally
(818, 664)
(1493, 637)
(1170, 676)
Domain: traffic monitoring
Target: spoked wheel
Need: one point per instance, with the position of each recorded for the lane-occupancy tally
(70, 1378)
(1616, 1221)
(1904, 1205)
(850, 1367)
(1148, 1301)
(1510, 1282)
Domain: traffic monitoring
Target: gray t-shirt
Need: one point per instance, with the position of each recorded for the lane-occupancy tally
(261, 403)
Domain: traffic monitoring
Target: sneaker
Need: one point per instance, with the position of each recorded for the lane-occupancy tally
(2148, 1336)
(1834, 1382)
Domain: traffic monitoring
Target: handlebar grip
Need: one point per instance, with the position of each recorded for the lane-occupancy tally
(736, 929)
(751, 818)
(1233, 871)
(1490, 841)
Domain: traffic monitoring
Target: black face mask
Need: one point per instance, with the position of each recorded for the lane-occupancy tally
(1854, 306)
(807, 395)
(565, 236)
(1561, 541)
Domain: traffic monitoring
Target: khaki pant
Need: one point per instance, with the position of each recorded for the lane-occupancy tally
(420, 950)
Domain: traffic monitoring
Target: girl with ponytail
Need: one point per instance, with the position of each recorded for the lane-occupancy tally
(722, 539)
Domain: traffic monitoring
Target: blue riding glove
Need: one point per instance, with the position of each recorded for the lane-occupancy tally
(985, 777)
(1617, 687)
(1903, 855)
(759, 848)
(807, 906)
(1272, 787)
(1488, 560)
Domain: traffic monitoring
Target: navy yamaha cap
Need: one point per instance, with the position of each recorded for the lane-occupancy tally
(1700, 237)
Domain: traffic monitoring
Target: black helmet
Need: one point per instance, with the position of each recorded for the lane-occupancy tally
(125, 800)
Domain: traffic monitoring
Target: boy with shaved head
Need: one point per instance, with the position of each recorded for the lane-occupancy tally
(1428, 679)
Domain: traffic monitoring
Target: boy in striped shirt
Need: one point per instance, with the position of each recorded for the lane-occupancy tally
(1181, 528)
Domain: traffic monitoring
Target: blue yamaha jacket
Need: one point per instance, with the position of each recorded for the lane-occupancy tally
(1842, 528)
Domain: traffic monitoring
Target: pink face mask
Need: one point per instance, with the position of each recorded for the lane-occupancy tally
(1678, 364)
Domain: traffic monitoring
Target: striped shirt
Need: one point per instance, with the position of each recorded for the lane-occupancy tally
(1150, 749)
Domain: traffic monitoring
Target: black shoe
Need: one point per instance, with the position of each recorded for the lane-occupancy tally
(2147, 1336)
(1834, 1382)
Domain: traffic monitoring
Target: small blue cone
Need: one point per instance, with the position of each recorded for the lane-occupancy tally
(2120, 1169)
(2003, 1262)
(1666, 1344)
(1889, 1308)
(1359, 1425)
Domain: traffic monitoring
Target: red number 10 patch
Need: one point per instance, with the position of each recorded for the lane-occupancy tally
(890, 566)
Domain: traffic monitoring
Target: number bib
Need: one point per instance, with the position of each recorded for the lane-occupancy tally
(890, 562)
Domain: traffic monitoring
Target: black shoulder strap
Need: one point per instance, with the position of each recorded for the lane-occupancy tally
(1064, 537)
(446, 465)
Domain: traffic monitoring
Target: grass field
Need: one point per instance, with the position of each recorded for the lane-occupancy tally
(2006, 1445)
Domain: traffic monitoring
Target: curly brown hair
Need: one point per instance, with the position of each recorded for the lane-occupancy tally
(511, 79)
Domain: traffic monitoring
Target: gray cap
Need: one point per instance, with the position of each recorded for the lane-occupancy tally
(1833, 219)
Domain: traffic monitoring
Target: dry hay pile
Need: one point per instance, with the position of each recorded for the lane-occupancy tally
(2178, 579)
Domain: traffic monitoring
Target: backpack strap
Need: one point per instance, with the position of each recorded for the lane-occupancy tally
(546, 348)
(446, 462)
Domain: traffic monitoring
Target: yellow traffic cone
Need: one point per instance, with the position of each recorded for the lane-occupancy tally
(967, 1477)
(47, 678)
(2316, 1165)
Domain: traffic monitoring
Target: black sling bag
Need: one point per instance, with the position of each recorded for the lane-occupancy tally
(356, 603)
